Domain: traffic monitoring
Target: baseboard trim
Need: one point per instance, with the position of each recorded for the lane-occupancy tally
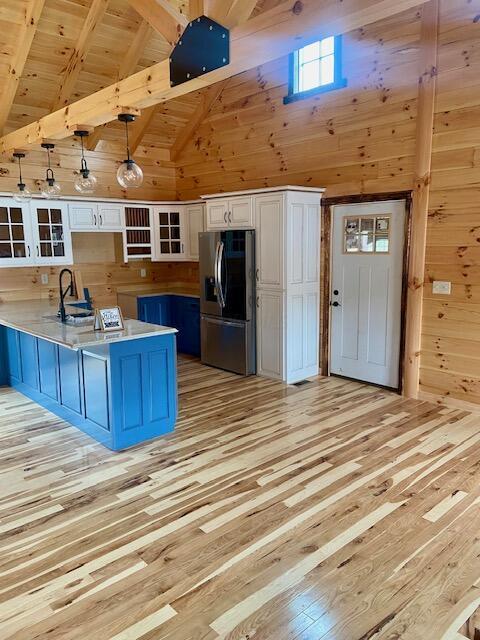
(449, 402)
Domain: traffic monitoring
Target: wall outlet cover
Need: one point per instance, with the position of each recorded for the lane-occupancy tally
(143, 273)
(44, 278)
(442, 288)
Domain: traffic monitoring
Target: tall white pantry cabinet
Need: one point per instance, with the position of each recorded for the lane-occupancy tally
(287, 225)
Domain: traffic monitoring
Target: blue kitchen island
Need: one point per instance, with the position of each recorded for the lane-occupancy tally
(118, 387)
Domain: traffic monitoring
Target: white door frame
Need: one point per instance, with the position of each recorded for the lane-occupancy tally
(326, 270)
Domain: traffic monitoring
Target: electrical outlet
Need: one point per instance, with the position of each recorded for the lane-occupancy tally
(143, 273)
(442, 288)
(44, 278)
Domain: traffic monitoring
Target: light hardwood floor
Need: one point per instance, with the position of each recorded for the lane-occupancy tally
(332, 511)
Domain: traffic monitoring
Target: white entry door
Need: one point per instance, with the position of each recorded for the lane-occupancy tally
(366, 291)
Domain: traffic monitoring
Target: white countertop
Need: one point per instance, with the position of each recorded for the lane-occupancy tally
(35, 317)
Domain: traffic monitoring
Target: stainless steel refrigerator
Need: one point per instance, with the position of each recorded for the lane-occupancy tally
(227, 300)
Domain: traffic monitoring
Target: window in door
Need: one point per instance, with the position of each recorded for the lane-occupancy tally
(50, 232)
(366, 234)
(12, 233)
(170, 233)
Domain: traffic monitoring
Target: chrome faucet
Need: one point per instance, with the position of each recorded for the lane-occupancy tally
(64, 293)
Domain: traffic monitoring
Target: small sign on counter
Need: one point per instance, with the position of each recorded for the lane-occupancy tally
(110, 319)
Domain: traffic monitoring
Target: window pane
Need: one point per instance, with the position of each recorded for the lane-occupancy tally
(17, 232)
(165, 247)
(367, 224)
(5, 250)
(327, 70)
(16, 215)
(164, 233)
(175, 247)
(164, 218)
(57, 232)
(175, 231)
(366, 243)
(19, 250)
(43, 216)
(310, 52)
(351, 244)
(3, 214)
(45, 249)
(56, 216)
(309, 75)
(58, 249)
(174, 218)
(327, 46)
(381, 244)
(4, 232)
(44, 232)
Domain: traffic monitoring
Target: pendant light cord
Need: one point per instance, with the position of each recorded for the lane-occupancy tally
(50, 175)
(128, 143)
(84, 162)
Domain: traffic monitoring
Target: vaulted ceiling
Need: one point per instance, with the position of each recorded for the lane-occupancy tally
(55, 52)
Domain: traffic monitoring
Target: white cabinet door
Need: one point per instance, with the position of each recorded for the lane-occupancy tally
(302, 335)
(169, 233)
(83, 216)
(270, 333)
(51, 232)
(269, 213)
(194, 222)
(110, 217)
(16, 246)
(240, 213)
(217, 214)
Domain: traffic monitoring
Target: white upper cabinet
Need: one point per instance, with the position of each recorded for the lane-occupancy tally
(15, 234)
(111, 217)
(231, 213)
(195, 224)
(83, 216)
(269, 213)
(88, 216)
(137, 233)
(51, 232)
(169, 233)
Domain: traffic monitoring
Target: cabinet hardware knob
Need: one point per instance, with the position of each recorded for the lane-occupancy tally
(257, 274)
(230, 216)
(258, 301)
(38, 251)
(29, 250)
(225, 217)
(94, 219)
(101, 220)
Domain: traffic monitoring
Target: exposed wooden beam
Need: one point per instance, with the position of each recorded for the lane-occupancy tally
(127, 67)
(139, 128)
(209, 98)
(75, 64)
(423, 163)
(196, 8)
(231, 12)
(31, 16)
(162, 16)
(266, 37)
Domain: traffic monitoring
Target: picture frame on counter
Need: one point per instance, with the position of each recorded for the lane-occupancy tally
(109, 319)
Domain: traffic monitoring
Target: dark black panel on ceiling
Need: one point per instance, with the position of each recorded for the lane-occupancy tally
(203, 47)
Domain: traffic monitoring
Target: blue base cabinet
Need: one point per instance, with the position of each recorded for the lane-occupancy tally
(121, 394)
(180, 312)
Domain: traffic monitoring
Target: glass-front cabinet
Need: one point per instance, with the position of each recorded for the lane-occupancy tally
(15, 233)
(169, 230)
(51, 236)
(34, 233)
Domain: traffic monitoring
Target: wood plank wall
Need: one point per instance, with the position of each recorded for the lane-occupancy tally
(361, 140)
(159, 173)
(98, 258)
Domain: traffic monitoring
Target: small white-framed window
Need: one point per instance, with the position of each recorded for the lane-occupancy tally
(316, 68)
(366, 234)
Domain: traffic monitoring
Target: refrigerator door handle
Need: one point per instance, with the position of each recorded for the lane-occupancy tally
(220, 248)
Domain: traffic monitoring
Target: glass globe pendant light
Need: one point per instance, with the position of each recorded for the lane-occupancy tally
(129, 174)
(50, 187)
(85, 182)
(23, 194)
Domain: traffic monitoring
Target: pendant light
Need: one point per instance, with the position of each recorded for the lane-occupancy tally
(85, 182)
(50, 187)
(23, 194)
(129, 174)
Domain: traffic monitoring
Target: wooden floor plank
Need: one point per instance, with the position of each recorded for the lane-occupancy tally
(333, 511)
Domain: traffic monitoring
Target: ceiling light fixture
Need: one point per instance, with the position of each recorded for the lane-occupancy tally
(85, 182)
(50, 187)
(129, 174)
(23, 194)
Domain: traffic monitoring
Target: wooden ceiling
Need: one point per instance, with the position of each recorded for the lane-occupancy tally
(81, 46)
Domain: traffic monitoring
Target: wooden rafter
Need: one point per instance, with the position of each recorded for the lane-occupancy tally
(139, 128)
(264, 38)
(127, 67)
(423, 165)
(209, 97)
(231, 12)
(28, 28)
(196, 8)
(75, 64)
(162, 16)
